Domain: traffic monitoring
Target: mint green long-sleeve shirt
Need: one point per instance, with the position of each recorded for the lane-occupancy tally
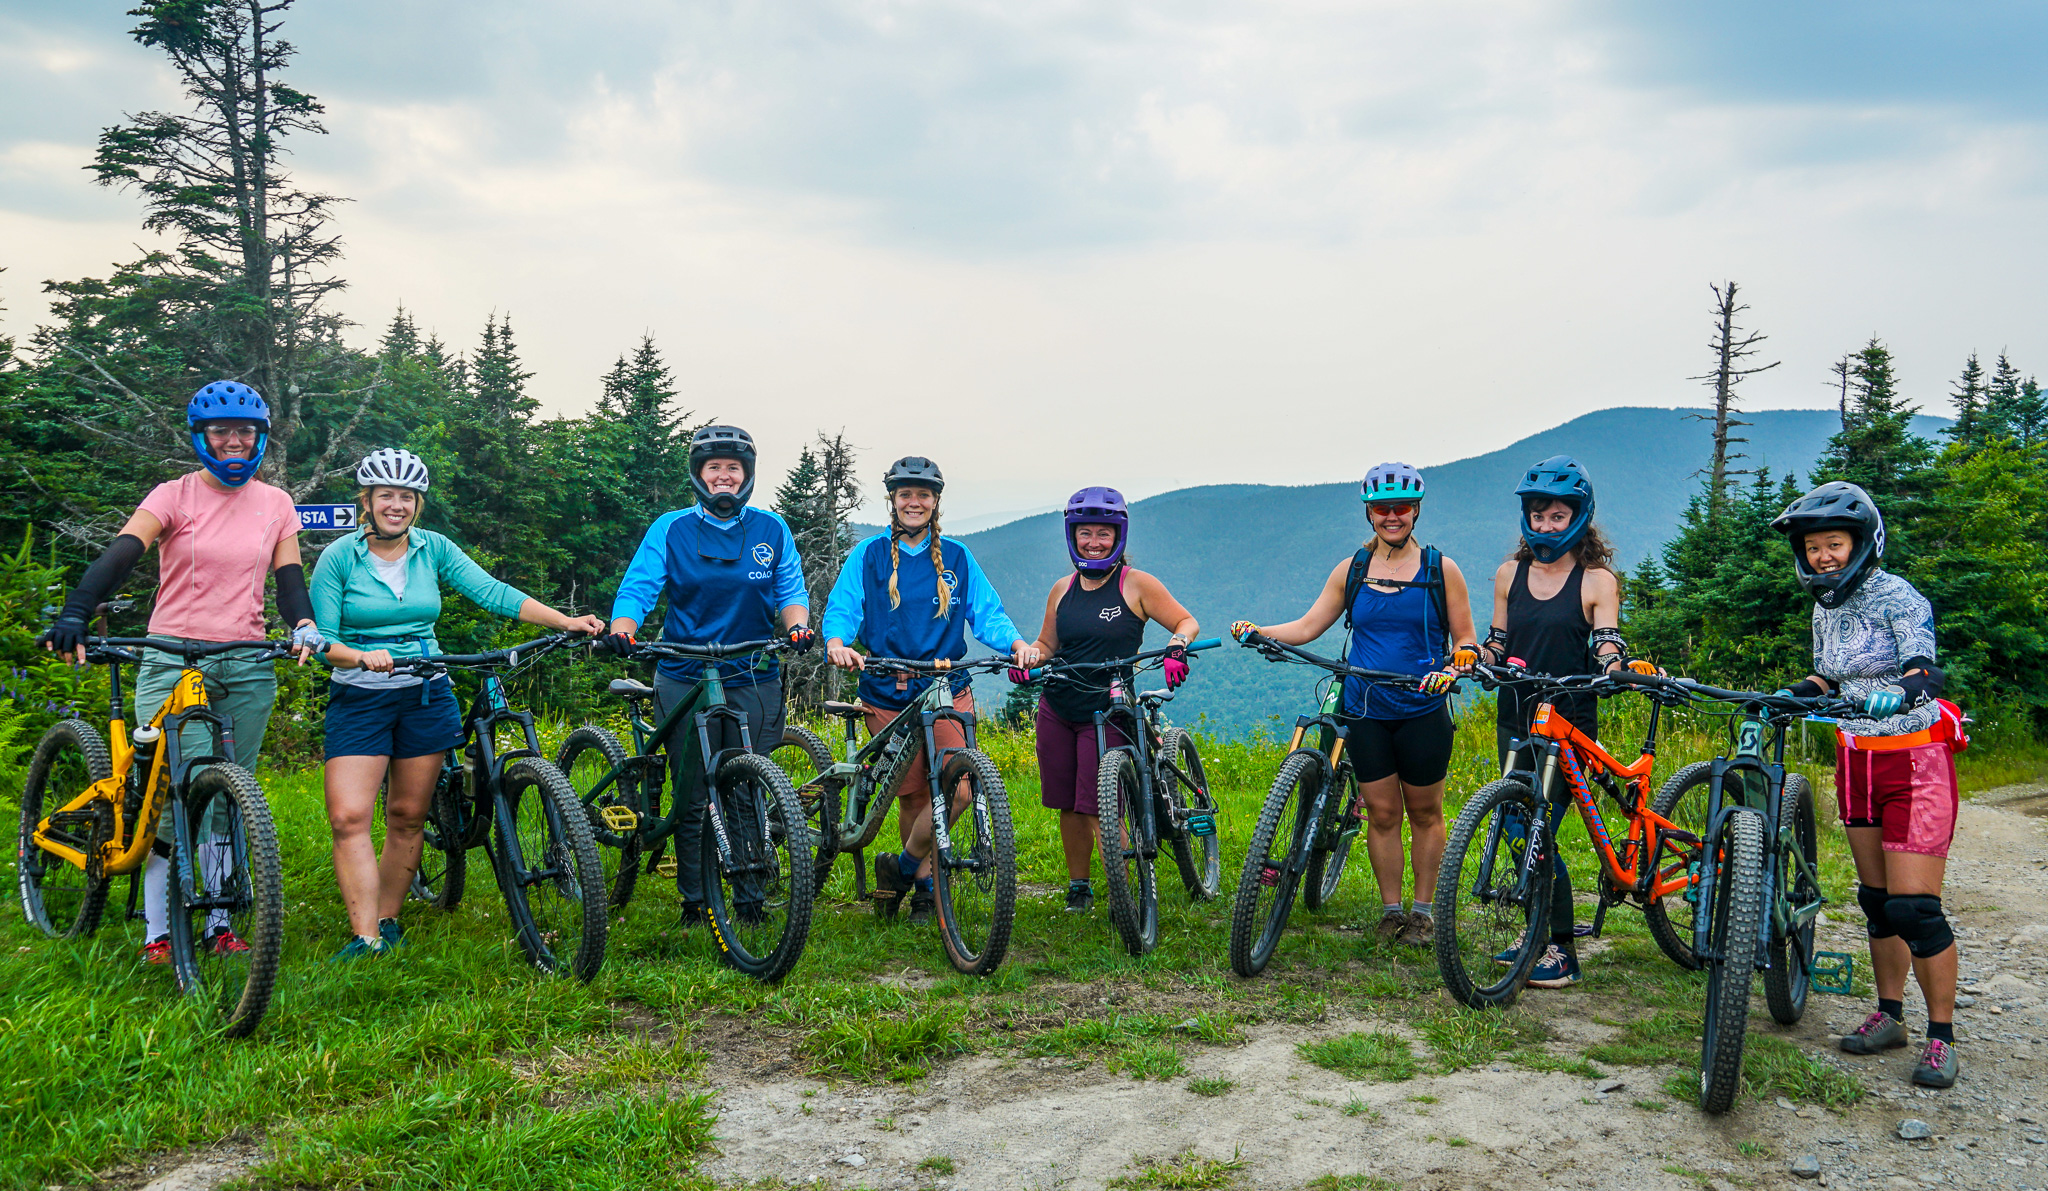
(352, 605)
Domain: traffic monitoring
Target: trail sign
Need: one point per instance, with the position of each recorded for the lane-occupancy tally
(333, 517)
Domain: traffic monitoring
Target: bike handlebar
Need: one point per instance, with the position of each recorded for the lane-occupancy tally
(191, 651)
(992, 663)
(1780, 704)
(687, 651)
(1055, 664)
(509, 656)
(1274, 651)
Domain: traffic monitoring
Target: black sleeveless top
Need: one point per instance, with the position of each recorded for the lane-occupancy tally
(1551, 638)
(1093, 626)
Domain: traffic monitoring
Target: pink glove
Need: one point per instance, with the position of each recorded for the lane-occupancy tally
(1176, 667)
(1020, 677)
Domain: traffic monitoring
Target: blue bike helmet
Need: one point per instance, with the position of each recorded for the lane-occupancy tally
(1387, 483)
(721, 442)
(1557, 478)
(224, 400)
(1097, 506)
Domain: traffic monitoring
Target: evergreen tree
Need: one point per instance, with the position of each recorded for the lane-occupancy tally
(2002, 400)
(493, 496)
(1876, 447)
(818, 499)
(1968, 396)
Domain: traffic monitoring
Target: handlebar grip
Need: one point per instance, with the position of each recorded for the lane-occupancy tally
(1035, 673)
(1204, 643)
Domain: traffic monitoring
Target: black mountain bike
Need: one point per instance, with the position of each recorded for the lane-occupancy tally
(756, 847)
(515, 804)
(1149, 790)
(1312, 816)
(1759, 880)
(974, 862)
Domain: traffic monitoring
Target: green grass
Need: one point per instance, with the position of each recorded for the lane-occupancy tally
(1183, 1172)
(1773, 1067)
(1209, 1086)
(1352, 1182)
(1147, 1060)
(1461, 1038)
(873, 1047)
(937, 1164)
(1377, 1056)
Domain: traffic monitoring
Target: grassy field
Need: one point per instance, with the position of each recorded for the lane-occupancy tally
(453, 1065)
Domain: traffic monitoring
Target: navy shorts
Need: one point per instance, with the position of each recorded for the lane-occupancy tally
(365, 722)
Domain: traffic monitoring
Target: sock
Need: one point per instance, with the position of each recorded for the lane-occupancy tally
(1896, 1010)
(1428, 908)
(907, 864)
(1077, 884)
(156, 892)
(1942, 1030)
(1390, 909)
(924, 884)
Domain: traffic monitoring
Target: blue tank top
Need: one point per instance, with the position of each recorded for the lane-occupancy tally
(1396, 632)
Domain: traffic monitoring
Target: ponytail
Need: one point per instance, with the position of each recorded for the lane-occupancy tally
(939, 573)
(938, 566)
(895, 560)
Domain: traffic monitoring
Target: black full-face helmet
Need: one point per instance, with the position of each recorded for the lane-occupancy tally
(1837, 505)
(721, 442)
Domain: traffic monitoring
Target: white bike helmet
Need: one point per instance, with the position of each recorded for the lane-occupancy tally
(391, 468)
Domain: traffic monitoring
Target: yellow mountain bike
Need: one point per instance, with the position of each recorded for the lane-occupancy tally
(90, 811)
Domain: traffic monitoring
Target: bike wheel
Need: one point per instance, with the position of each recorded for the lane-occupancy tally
(977, 893)
(585, 758)
(1790, 975)
(443, 874)
(58, 897)
(1273, 862)
(1128, 882)
(227, 898)
(1735, 894)
(759, 902)
(1179, 776)
(802, 754)
(1492, 909)
(558, 905)
(1332, 845)
(1683, 800)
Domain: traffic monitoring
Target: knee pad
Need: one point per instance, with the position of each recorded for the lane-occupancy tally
(1919, 921)
(1872, 900)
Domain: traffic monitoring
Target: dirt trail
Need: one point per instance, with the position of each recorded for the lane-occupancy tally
(1034, 1123)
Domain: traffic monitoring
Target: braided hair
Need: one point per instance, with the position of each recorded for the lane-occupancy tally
(897, 530)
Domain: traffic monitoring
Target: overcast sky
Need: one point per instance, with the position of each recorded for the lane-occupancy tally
(1142, 244)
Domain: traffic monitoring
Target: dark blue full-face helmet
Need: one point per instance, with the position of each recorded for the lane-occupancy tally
(721, 442)
(227, 400)
(1558, 478)
(1837, 505)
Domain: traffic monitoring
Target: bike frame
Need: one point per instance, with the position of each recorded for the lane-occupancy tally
(1579, 760)
(1756, 783)
(487, 805)
(869, 807)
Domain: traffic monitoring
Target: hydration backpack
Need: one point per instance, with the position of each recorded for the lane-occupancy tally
(1430, 576)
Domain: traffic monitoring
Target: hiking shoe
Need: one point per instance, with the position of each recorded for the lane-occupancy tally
(1080, 897)
(1509, 958)
(921, 907)
(1879, 1032)
(1938, 1065)
(226, 942)
(1420, 930)
(157, 951)
(1391, 925)
(391, 934)
(693, 916)
(357, 948)
(1557, 969)
(890, 883)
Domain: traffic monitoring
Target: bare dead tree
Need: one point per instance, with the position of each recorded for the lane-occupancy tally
(1731, 346)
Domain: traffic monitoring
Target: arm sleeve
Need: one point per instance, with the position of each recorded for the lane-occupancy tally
(325, 592)
(292, 602)
(645, 574)
(985, 616)
(845, 610)
(459, 569)
(789, 573)
(102, 577)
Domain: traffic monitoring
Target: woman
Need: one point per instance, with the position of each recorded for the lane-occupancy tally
(376, 596)
(1096, 614)
(731, 574)
(1404, 604)
(1895, 773)
(1557, 609)
(221, 530)
(880, 600)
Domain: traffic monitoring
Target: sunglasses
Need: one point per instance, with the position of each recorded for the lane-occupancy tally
(1390, 510)
(229, 433)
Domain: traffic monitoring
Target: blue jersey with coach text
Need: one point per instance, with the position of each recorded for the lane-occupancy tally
(726, 582)
(859, 610)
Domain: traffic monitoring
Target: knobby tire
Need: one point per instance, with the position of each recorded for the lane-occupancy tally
(806, 758)
(1506, 914)
(243, 868)
(1129, 884)
(57, 897)
(1790, 976)
(761, 921)
(1179, 776)
(1736, 892)
(1273, 862)
(559, 920)
(977, 902)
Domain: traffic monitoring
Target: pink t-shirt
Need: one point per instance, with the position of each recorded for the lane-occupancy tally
(215, 551)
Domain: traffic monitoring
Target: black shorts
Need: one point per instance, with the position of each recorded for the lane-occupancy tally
(1419, 749)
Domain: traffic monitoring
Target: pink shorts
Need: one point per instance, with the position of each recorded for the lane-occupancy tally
(1909, 793)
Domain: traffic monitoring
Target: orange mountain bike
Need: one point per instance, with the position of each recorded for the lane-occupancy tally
(1493, 891)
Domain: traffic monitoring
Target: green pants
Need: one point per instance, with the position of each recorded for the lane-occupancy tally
(236, 687)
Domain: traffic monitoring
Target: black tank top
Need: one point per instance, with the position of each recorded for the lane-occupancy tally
(1093, 626)
(1550, 636)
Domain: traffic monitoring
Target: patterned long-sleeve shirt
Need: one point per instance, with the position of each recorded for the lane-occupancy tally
(1863, 645)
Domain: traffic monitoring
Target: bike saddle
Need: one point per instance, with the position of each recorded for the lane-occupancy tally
(835, 707)
(1149, 697)
(630, 688)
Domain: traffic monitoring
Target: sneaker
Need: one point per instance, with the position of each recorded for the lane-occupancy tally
(1420, 930)
(357, 948)
(157, 951)
(1392, 922)
(890, 883)
(921, 907)
(1879, 1032)
(1938, 1065)
(392, 934)
(226, 942)
(1509, 958)
(1080, 897)
(693, 916)
(1557, 969)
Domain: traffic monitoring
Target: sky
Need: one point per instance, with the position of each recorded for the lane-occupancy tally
(1141, 244)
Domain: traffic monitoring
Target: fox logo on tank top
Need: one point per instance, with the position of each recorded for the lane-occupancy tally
(1111, 612)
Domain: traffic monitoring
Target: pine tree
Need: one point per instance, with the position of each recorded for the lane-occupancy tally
(496, 499)
(818, 499)
(2001, 400)
(1968, 396)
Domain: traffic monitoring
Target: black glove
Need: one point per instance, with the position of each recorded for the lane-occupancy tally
(66, 635)
(619, 645)
(1923, 686)
(803, 638)
(1806, 688)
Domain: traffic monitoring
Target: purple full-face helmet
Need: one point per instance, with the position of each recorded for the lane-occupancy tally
(1097, 506)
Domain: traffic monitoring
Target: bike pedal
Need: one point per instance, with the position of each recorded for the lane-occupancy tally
(1202, 823)
(666, 867)
(1834, 972)
(620, 819)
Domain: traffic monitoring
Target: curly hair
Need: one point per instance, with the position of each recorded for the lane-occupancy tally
(1594, 551)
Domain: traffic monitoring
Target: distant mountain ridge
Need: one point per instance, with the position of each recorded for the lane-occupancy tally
(1261, 552)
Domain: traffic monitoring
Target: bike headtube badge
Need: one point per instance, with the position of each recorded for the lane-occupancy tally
(1097, 506)
(1558, 478)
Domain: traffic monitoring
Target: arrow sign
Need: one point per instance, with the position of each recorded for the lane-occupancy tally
(331, 517)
